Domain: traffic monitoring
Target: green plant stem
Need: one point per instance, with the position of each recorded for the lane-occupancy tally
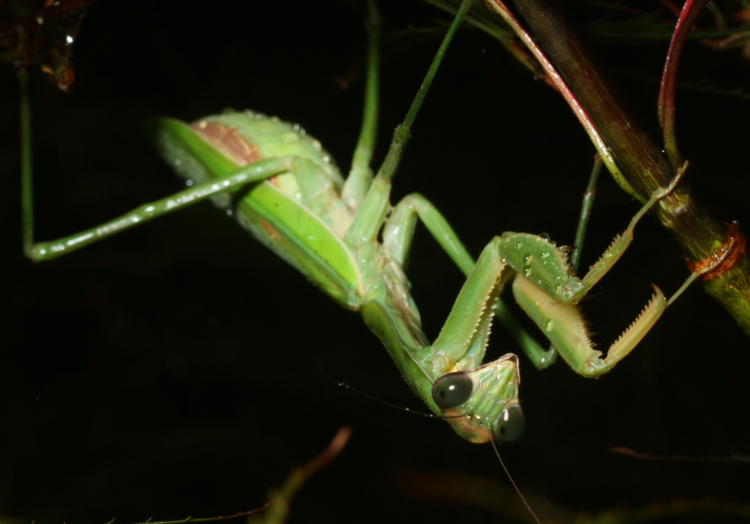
(638, 158)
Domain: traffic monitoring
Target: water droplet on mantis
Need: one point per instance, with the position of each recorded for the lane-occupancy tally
(549, 326)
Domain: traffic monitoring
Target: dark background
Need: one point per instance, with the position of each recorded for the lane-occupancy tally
(172, 371)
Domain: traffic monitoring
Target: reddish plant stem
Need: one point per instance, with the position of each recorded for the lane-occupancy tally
(666, 103)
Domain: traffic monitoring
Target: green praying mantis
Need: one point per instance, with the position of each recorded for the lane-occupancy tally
(346, 237)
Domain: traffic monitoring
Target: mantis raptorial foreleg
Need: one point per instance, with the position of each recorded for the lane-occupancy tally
(397, 237)
(548, 292)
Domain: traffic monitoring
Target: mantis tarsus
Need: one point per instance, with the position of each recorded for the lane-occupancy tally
(347, 239)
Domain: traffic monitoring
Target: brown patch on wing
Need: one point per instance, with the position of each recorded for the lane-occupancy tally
(229, 141)
(270, 230)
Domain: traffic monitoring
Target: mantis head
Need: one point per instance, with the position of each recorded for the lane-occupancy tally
(482, 404)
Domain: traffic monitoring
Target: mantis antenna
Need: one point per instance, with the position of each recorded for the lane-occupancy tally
(515, 486)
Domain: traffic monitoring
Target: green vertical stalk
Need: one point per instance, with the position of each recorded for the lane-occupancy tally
(27, 187)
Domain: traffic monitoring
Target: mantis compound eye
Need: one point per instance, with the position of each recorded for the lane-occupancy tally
(452, 390)
(511, 424)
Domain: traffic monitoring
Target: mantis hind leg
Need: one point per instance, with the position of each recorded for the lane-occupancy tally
(397, 239)
(55, 248)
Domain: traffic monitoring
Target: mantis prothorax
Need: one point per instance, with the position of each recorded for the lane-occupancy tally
(347, 238)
